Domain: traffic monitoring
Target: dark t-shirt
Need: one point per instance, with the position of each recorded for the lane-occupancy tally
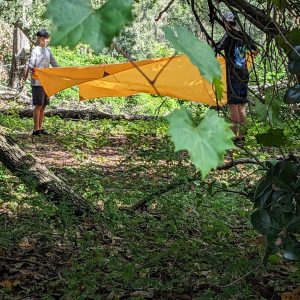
(236, 44)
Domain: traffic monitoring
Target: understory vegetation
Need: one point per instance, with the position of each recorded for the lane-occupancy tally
(194, 240)
(219, 221)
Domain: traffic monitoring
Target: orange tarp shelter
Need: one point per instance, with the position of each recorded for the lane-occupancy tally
(173, 76)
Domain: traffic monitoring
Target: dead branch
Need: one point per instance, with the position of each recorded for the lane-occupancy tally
(143, 203)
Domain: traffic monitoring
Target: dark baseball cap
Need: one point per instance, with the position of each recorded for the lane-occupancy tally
(43, 33)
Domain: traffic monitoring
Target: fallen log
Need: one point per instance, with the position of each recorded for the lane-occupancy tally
(82, 114)
(12, 95)
(37, 176)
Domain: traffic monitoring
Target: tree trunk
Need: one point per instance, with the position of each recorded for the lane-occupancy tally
(82, 114)
(34, 174)
(21, 48)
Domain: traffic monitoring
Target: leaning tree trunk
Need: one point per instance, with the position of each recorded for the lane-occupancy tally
(34, 174)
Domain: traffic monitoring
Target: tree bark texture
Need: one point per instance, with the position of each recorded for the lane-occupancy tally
(21, 48)
(37, 176)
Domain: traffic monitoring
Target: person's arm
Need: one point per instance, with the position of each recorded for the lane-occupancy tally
(31, 64)
(250, 44)
(222, 44)
(53, 62)
(32, 60)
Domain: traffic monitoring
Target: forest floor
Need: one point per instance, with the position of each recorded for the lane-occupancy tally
(193, 241)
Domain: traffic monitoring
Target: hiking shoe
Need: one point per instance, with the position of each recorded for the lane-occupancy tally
(36, 132)
(45, 132)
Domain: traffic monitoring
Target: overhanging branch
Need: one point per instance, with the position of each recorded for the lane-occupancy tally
(256, 16)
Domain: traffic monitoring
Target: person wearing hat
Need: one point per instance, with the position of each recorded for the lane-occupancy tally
(236, 46)
(41, 57)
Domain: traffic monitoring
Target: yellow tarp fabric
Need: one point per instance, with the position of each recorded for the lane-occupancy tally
(174, 76)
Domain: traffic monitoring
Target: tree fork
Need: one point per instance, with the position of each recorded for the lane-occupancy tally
(35, 175)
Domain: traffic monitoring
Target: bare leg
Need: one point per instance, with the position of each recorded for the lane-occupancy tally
(36, 117)
(42, 112)
(242, 118)
(234, 117)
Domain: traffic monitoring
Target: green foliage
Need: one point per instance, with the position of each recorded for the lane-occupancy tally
(294, 63)
(144, 37)
(77, 22)
(185, 238)
(82, 56)
(268, 113)
(27, 15)
(281, 4)
(206, 142)
(294, 54)
(200, 54)
(292, 38)
(294, 67)
(292, 95)
(277, 198)
(274, 137)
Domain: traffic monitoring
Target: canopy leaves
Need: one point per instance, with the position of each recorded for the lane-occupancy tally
(76, 21)
(206, 143)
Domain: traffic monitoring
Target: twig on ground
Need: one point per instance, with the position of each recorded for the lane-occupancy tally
(142, 203)
(21, 260)
(238, 279)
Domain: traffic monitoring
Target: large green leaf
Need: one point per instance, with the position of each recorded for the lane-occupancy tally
(294, 67)
(292, 95)
(262, 187)
(200, 54)
(284, 204)
(294, 225)
(291, 38)
(206, 142)
(289, 172)
(274, 137)
(264, 200)
(281, 4)
(262, 222)
(294, 54)
(280, 185)
(268, 113)
(291, 248)
(76, 21)
(297, 186)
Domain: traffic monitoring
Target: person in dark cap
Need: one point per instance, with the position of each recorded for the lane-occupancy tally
(41, 57)
(236, 46)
